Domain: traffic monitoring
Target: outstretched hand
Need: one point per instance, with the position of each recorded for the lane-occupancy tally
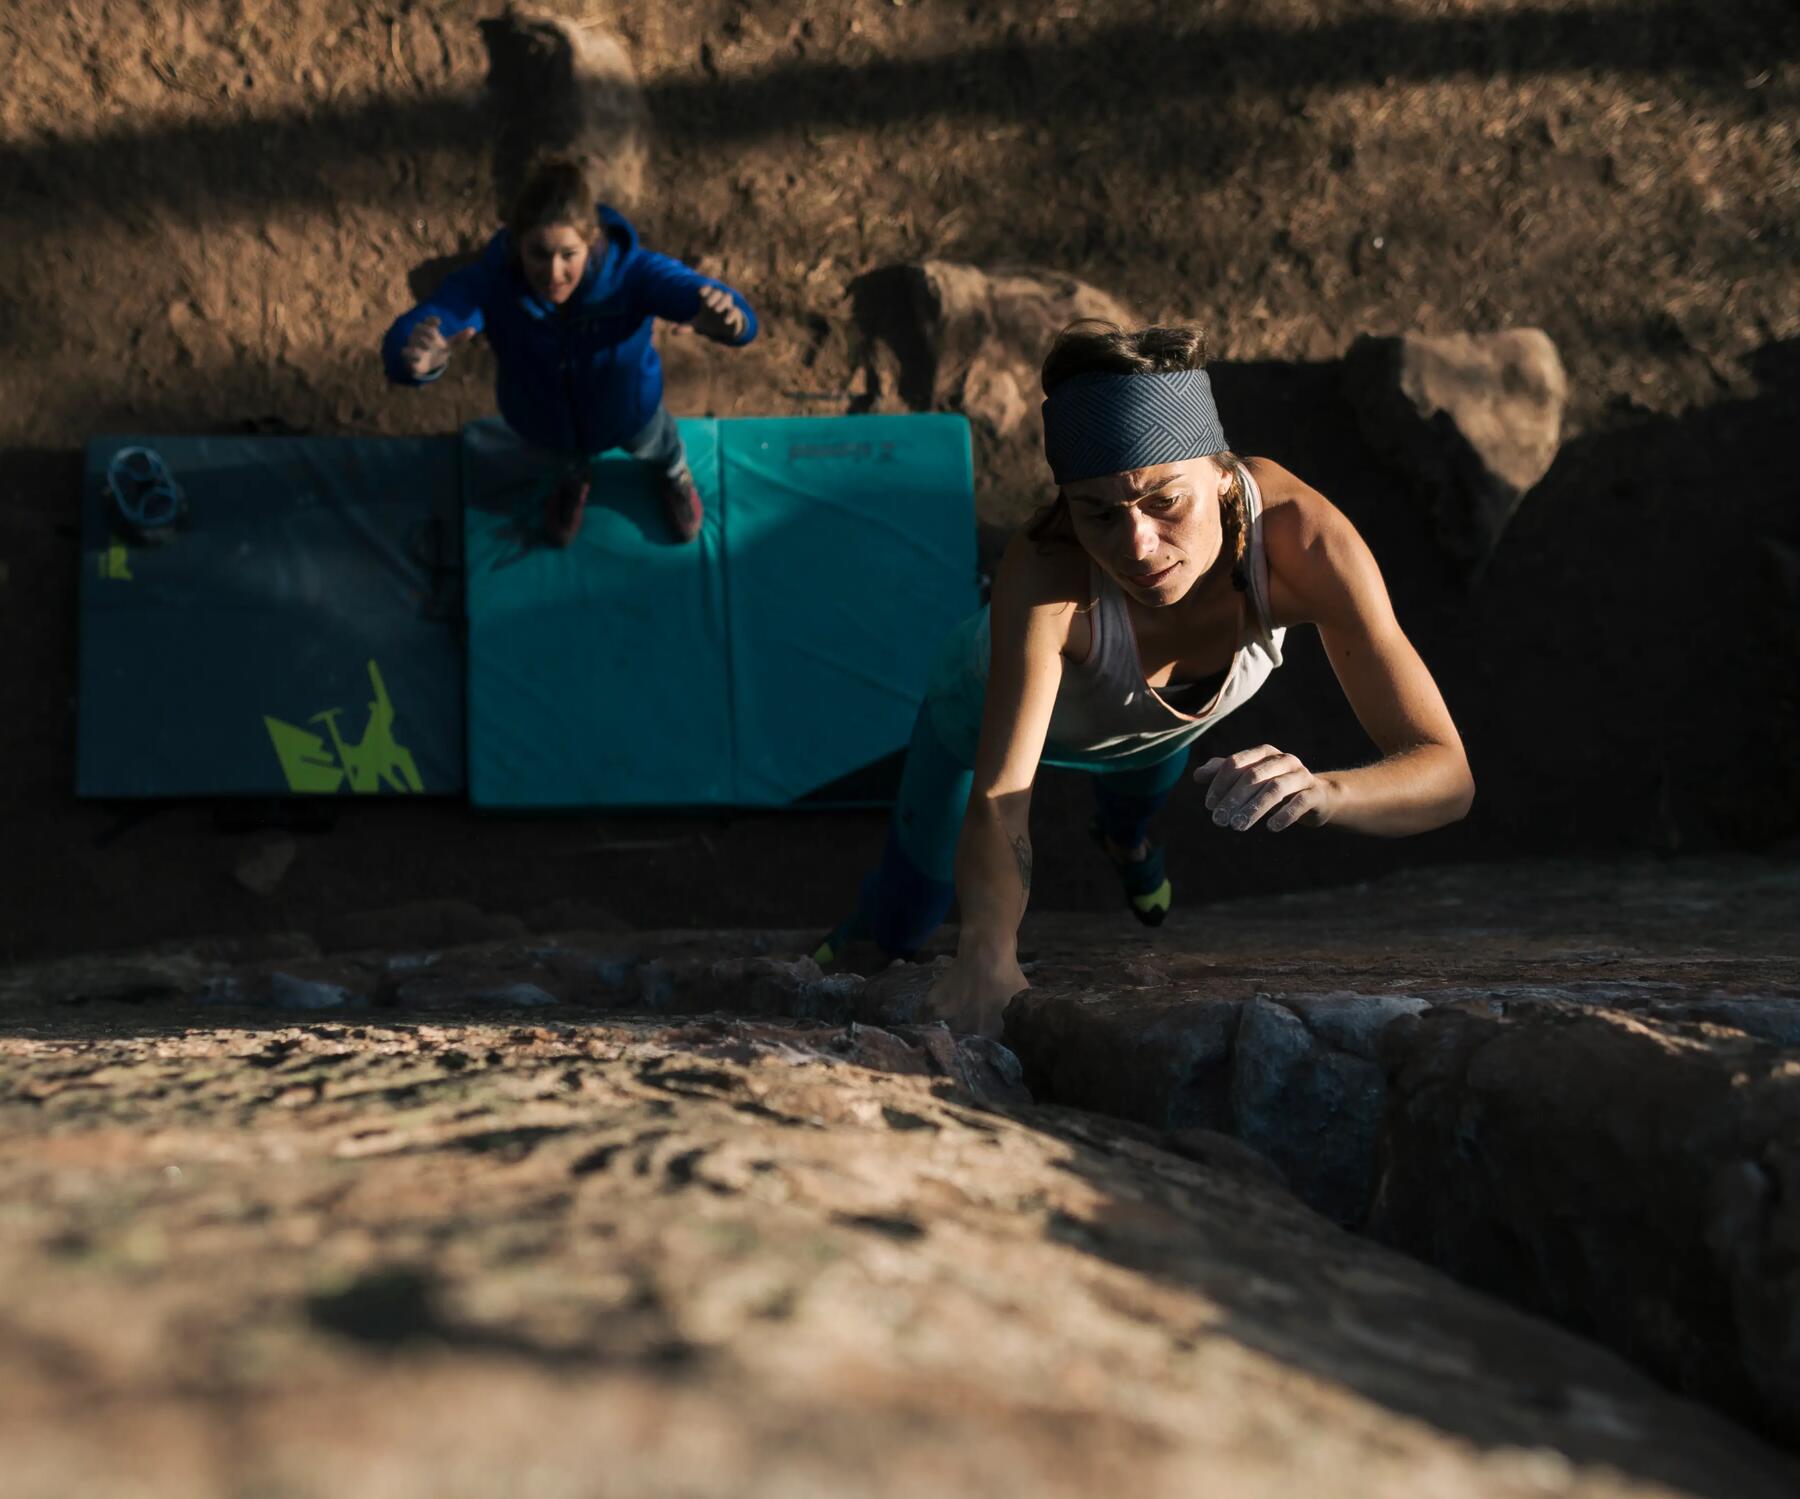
(427, 351)
(972, 994)
(1264, 782)
(719, 316)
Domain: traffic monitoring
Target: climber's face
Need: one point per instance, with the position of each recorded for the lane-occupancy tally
(553, 257)
(1156, 529)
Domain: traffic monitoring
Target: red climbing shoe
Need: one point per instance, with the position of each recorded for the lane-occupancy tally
(681, 503)
(564, 509)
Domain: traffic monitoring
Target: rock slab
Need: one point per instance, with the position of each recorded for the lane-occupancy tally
(710, 1258)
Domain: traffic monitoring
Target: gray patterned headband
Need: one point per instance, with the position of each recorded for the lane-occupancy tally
(1097, 424)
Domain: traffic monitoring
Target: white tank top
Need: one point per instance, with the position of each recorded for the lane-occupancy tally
(1106, 715)
(1105, 710)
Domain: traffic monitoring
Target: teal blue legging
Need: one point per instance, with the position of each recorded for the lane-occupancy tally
(909, 893)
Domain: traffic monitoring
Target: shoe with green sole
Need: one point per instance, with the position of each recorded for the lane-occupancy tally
(1148, 892)
(851, 937)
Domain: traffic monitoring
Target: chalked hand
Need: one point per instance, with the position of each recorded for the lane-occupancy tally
(719, 317)
(427, 351)
(1254, 784)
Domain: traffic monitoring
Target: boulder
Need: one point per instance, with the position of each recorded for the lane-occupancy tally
(960, 338)
(1295, 1077)
(1636, 1180)
(1315, 1112)
(556, 86)
(1474, 419)
(1160, 1059)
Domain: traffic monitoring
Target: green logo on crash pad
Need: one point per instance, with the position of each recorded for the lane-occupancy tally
(315, 768)
(115, 561)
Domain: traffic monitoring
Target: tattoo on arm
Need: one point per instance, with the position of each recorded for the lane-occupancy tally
(1021, 847)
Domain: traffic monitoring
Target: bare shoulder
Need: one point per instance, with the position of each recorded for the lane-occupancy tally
(1314, 551)
(1040, 589)
(1038, 574)
(1295, 515)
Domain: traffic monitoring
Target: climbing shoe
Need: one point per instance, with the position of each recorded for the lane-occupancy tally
(864, 953)
(564, 509)
(829, 950)
(1146, 882)
(681, 503)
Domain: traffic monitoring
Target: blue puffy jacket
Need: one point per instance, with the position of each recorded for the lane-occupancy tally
(582, 377)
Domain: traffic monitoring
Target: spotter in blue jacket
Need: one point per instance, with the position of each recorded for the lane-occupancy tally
(583, 377)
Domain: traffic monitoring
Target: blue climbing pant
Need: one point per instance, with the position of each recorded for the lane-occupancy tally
(907, 897)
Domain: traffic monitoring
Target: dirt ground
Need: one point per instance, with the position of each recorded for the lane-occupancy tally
(211, 211)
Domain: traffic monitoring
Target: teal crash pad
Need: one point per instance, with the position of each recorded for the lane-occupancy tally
(298, 635)
(778, 658)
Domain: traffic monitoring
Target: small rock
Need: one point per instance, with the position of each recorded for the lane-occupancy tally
(410, 962)
(1351, 1022)
(615, 973)
(1474, 419)
(880, 1050)
(459, 985)
(221, 989)
(285, 992)
(262, 870)
(519, 996)
(896, 995)
(990, 1070)
(982, 1068)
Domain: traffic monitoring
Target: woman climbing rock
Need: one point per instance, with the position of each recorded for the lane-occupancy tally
(1129, 618)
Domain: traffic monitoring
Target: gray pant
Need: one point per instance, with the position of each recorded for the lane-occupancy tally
(509, 464)
(658, 443)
